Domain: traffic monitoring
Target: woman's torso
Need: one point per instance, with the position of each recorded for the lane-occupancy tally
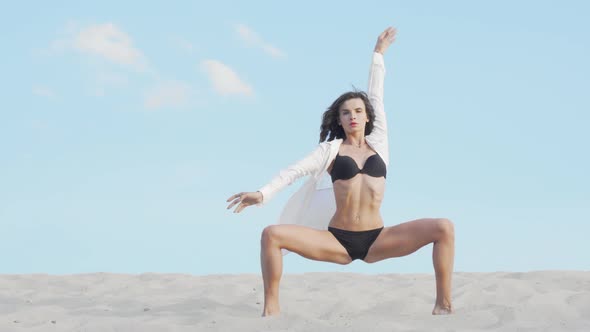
(358, 199)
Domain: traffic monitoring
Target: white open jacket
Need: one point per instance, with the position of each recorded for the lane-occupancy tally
(313, 205)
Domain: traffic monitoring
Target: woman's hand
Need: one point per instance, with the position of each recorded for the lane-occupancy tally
(245, 200)
(385, 39)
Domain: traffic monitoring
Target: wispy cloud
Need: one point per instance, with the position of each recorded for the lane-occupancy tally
(251, 38)
(103, 40)
(168, 94)
(107, 80)
(108, 41)
(111, 45)
(183, 44)
(43, 91)
(224, 79)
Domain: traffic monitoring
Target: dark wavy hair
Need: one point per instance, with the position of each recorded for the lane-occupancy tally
(330, 128)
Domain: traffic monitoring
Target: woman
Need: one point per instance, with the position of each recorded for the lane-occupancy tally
(355, 157)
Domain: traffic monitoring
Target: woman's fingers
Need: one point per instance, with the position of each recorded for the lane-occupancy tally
(240, 208)
(237, 198)
(388, 34)
(234, 196)
(391, 34)
(232, 204)
(242, 198)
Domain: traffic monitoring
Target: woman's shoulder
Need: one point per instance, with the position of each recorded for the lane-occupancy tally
(328, 145)
(335, 141)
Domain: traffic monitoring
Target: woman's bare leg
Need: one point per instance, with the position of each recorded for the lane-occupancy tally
(443, 256)
(406, 238)
(307, 242)
(271, 261)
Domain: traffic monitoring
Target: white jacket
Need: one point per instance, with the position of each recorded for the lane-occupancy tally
(313, 205)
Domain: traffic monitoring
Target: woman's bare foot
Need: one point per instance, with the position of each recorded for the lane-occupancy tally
(271, 310)
(443, 309)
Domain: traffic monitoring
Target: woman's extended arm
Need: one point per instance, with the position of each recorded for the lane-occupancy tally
(376, 78)
(306, 166)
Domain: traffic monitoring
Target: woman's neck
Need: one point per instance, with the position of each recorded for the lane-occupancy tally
(356, 141)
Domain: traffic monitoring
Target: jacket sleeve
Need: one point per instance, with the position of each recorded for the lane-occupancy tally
(311, 164)
(375, 93)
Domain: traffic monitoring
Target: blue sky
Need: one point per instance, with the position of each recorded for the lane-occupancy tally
(124, 128)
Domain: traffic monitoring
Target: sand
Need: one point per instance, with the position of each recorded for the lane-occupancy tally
(501, 301)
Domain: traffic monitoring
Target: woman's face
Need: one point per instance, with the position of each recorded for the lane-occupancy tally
(353, 116)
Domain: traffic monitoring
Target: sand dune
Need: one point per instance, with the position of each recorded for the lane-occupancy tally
(501, 301)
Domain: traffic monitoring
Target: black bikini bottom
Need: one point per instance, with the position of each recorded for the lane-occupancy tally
(357, 243)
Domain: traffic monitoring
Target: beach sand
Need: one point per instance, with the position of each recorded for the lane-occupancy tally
(501, 301)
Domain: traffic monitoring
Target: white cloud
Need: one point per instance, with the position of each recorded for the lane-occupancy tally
(252, 38)
(107, 80)
(110, 42)
(273, 51)
(103, 40)
(224, 79)
(112, 78)
(43, 92)
(183, 44)
(247, 34)
(168, 94)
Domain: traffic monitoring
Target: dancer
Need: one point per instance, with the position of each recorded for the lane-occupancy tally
(335, 216)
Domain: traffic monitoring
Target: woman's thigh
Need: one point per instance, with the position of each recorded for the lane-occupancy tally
(307, 242)
(406, 238)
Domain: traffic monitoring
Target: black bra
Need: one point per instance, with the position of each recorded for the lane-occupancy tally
(345, 167)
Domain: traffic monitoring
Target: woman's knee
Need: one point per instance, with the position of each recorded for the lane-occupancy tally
(270, 234)
(445, 228)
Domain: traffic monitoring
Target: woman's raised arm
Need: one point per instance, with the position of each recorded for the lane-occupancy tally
(375, 88)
